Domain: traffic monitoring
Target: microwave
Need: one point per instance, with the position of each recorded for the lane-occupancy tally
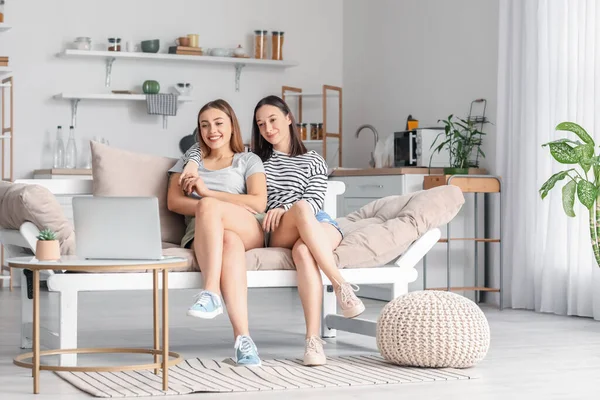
(413, 148)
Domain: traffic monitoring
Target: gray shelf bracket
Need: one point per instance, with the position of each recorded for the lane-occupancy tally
(238, 73)
(109, 63)
(74, 104)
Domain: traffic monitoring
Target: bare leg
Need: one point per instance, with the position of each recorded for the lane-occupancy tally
(234, 282)
(213, 217)
(310, 287)
(300, 223)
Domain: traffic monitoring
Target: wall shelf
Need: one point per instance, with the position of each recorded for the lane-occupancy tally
(5, 70)
(4, 27)
(237, 63)
(75, 98)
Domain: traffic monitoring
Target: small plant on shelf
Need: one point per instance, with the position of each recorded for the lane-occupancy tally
(463, 141)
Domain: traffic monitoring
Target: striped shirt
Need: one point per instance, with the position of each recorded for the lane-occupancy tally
(289, 179)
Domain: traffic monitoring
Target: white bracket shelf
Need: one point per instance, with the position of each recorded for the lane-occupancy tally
(76, 98)
(238, 63)
(4, 27)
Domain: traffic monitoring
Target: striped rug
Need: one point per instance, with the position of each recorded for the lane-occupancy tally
(211, 376)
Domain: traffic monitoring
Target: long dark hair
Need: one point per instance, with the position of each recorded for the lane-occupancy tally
(236, 143)
(264, 149)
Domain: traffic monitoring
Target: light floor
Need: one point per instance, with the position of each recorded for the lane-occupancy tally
(532, 354)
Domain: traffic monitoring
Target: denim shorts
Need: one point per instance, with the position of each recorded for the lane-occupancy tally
(322, 216)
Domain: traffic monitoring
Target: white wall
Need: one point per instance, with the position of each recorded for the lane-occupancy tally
(428, 58)
(313, 37)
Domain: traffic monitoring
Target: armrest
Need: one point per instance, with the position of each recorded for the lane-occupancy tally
(29, 232)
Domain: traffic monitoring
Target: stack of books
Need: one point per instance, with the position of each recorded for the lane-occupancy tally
(188, 51)
(3, 61)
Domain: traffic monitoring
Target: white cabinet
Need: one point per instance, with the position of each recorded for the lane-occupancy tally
(361, 190)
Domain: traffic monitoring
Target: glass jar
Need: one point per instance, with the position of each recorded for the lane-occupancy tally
(314, 131)
(302, 130)
(114, 44)
(277, 45)
(320, 135)
(1, 11)
(83, 43)
(260, 44)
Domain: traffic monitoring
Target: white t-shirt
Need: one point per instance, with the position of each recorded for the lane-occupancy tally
(231, 179)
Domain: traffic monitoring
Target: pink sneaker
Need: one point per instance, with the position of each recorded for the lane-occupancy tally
(351, 305)
(314, 354)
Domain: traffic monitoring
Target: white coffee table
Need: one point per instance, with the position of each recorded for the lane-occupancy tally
(75, 264)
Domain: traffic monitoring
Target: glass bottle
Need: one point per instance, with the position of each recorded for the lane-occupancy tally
(1, 11)
(71, 155)
(59, 149)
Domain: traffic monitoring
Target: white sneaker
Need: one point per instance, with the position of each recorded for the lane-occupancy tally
(314, 354)
(351, 305)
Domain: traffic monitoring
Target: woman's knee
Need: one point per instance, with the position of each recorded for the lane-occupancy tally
(231, 241)
(207, 205)
(302, 209)
(301, 254)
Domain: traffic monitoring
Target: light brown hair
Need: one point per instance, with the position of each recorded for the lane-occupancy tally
(236, 143)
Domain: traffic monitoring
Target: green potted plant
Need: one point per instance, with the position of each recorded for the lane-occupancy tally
(47, 247)
(463, 141)
(583, 177)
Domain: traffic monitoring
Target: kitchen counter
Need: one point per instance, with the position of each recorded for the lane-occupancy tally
(397, 171)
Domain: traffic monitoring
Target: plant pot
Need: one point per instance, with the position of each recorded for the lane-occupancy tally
(456, 171)
(47, 250)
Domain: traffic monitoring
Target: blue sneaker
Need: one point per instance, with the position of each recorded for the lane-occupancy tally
(208, 305)
(246, 353)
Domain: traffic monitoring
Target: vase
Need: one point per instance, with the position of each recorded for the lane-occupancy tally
(151, 87)
(47, 250)
(456, 171)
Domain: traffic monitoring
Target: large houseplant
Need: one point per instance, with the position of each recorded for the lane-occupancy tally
(463, 141)
(584, 177)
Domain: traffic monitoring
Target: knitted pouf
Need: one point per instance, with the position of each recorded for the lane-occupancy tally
(433, 329)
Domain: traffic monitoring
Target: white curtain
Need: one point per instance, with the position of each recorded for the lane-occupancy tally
(549, 72)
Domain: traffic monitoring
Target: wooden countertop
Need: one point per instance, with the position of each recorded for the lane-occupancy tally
(398, 171)
(63, 171)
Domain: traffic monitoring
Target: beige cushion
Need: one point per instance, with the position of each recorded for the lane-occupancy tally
(382, 230)
(274, 258)
(20, 203)
(119, 172)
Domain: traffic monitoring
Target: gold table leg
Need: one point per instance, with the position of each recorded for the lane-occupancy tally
(165, 359)
(36, 332)
(155, 311)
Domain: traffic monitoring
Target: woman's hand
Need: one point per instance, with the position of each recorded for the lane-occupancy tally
(272, 219)
(190, 171)
(195, 184)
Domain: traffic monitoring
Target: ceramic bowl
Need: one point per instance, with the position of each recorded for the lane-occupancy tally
(220, 52)
(151, 46)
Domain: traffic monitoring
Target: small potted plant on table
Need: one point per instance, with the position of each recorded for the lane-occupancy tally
(47, 247)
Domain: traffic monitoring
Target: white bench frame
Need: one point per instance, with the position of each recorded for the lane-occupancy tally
(68, 286)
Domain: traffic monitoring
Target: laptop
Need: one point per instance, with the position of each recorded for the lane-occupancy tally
(117, 228)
